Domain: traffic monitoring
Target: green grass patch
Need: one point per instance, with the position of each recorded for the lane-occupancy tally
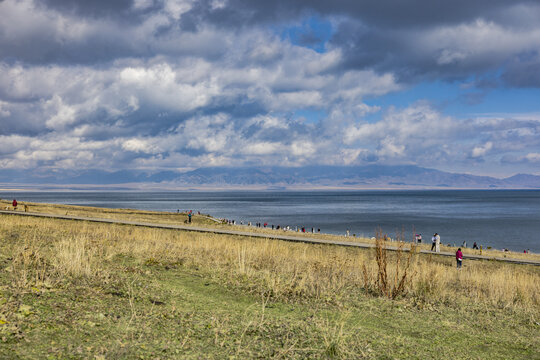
(154, 312)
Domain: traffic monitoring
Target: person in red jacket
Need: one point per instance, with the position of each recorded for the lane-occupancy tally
(459, 258)
(14, 204)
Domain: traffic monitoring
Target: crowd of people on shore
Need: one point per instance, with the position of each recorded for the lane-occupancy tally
(435, 239)
(265, 225)
(436, 243)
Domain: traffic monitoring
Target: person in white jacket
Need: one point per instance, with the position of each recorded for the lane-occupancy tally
(437, 243)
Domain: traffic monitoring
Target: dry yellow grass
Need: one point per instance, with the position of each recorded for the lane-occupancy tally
(104, 213)
(46, 250)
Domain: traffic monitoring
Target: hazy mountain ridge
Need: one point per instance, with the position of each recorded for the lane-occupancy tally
(358, 176)
(283, 177)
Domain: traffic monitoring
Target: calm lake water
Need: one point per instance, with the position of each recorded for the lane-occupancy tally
(499, 218)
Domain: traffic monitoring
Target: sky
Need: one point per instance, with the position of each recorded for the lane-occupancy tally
(156, 85)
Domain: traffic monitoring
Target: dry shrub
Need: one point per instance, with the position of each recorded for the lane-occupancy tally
(392, 281)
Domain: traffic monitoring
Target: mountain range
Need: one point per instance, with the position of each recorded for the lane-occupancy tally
(274, 177)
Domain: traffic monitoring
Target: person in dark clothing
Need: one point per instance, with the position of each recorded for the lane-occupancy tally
(14, 203)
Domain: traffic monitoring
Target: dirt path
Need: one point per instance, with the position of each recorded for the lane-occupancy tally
(258, 235)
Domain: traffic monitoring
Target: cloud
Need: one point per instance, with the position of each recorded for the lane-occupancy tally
(140, 146)
(524, 71)
(4, 112)
(168, 88)
(533, 157)
(413, 39)
(481, 151)
(422, 135)
(92, 8)
(426, 40)
(418, 122)
(381, 13)
(530, 158)
(54, 150)
(447, 50)
(166, 84)
(262, 148)
(148, 96)
(62, 114)
(33, 33)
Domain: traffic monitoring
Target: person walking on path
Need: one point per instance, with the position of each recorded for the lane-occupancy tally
(459, 258)
(14, 203)
(433, 240)
(437, 243)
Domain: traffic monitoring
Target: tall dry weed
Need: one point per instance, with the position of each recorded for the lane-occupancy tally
(392, 280)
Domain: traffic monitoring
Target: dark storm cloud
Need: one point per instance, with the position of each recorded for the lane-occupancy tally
(414, 39)
(450, 52)
(383, 13)
(99, 8)
(32, 33)
(524, 73)
(45, 50)
(394, 51)
(395, 35)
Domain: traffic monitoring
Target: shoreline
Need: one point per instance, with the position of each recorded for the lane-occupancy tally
(307, 239)
(254, 231)
(340, 235)
(158, 187)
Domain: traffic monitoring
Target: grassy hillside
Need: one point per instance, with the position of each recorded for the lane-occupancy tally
(85, 290)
